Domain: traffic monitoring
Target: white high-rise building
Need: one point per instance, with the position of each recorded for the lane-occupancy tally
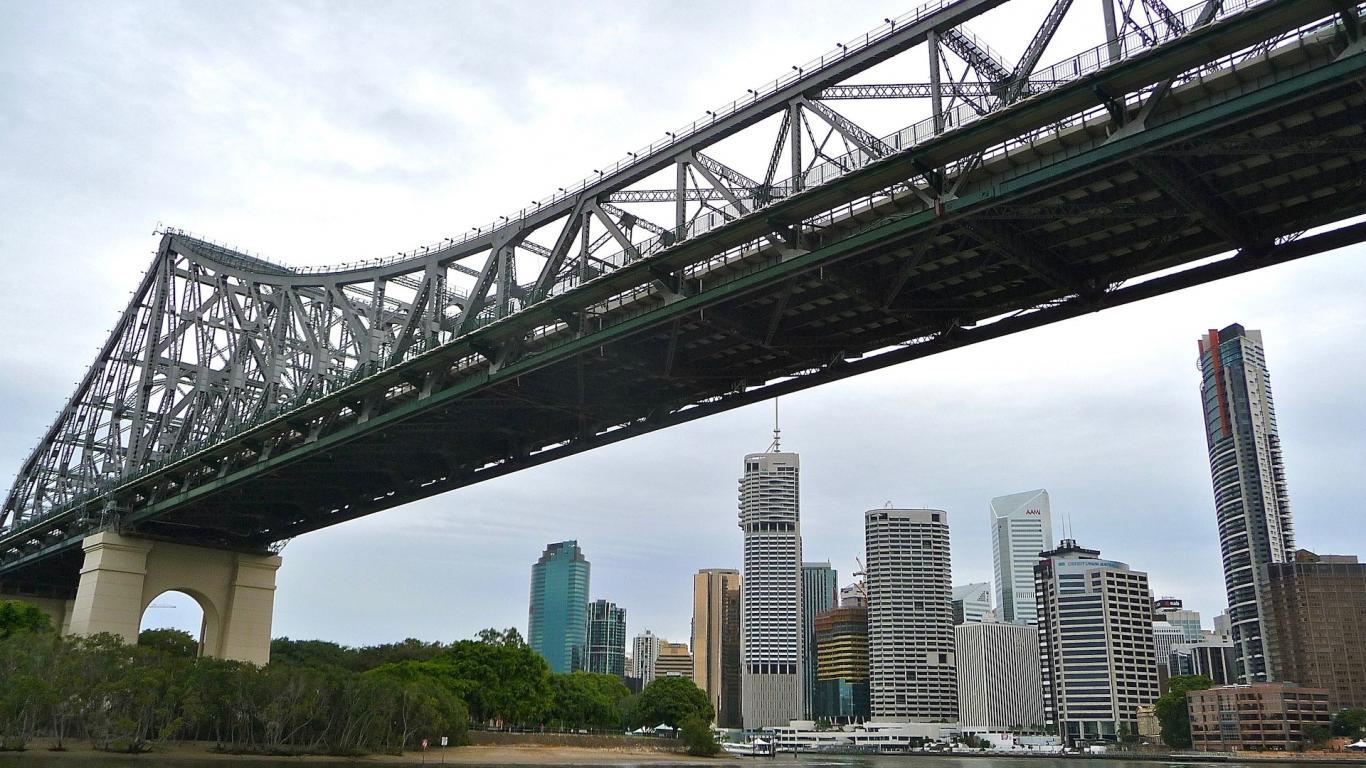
(771, 591)
(999, 684)
(1021, 528)
(1096, 646)
(1223, 626)
(644, 655)
(971, 602)
(852, 596)
(910, 616)
(1165, 636)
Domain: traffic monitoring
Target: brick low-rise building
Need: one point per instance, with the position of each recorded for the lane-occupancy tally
(1261, 716)
(1315, 614)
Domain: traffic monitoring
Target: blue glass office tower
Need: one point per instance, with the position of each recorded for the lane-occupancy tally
(558, 625)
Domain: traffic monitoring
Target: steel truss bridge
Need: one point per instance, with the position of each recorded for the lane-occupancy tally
(239, 402)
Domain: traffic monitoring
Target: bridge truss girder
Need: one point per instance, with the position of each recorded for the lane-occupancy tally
(444, 373)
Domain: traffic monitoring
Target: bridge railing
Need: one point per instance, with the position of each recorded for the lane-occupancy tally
(1073, 68)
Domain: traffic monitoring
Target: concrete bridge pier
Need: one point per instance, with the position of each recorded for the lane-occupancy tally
(122, 575)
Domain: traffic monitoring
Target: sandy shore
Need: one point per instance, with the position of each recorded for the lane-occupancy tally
(528, 754)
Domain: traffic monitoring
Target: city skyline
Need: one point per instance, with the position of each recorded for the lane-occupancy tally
(1107, 430)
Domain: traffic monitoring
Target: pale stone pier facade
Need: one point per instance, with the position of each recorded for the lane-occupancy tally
(122, 575)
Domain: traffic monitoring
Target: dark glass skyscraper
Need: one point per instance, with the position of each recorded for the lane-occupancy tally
(1248, 471)
(558, 625)
(820, 593)
(606, 638)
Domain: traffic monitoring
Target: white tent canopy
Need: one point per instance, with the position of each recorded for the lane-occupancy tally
(1358, 744)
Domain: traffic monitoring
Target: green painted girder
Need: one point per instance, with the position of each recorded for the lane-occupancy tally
(1140, 70)
(1116, 151)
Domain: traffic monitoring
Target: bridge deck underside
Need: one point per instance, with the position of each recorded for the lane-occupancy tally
(1054, 229)
(968, 271)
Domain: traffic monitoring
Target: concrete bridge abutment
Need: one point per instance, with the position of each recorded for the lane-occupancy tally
(122, 575)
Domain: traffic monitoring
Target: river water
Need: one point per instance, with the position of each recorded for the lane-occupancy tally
(36, 759)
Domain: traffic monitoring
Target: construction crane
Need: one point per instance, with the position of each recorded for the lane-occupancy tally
(861, 583)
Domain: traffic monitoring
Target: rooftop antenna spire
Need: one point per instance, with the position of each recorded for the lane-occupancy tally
(776, 446)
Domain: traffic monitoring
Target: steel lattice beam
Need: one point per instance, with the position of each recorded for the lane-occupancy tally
(218, 360)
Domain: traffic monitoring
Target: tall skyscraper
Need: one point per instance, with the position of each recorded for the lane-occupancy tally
(910, 616)
(716, 641)
(771, 611)
(606, 638)
(558, 623)
(1251, 502)
(1021, 528)
(644, 654)
(819, 594)
(999, 684)
(841, 694)
(1096, 645)
(971, 602)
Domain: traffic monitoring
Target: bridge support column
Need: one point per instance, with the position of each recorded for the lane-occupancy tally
(123, 575)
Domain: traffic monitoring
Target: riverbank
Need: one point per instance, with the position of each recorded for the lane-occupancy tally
(185, 753)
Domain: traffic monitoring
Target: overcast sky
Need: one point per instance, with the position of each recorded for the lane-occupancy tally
(315, 133)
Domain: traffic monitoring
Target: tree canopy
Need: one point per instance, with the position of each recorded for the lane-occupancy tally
(17, 616)
(670, 700)
(314, 696)
(175, 642)
(584, 700)
(1173, 715)
(1350, 723)
(697, 735)
(285, 652)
